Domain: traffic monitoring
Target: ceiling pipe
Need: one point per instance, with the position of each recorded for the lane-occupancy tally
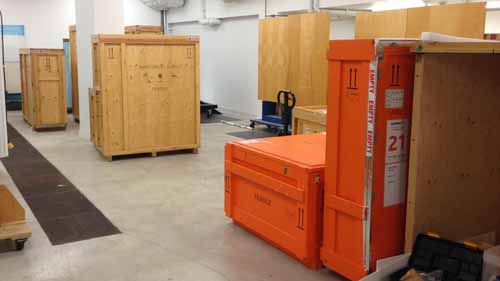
(204, 19)
(314, 6)
(347, 10)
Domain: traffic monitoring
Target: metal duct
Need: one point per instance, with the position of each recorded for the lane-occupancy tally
(161, 5)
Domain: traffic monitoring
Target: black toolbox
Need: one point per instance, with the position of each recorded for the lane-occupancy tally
(458, 261)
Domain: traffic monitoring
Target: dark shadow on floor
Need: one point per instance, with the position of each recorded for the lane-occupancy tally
(63, 212)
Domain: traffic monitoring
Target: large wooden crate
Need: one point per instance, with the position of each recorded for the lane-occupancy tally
(292, 55)
(465, 20)
(144, 29)
(309, 119)
(454, 172)
(74, 72)
(43, 84)
(146, 94)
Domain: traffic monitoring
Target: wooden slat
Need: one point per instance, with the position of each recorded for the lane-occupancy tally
(460, 47)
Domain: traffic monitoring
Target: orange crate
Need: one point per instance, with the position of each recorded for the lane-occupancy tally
(368, 126)
(274, 187)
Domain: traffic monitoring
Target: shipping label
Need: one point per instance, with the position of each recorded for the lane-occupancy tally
(396, 162)
(394, 98)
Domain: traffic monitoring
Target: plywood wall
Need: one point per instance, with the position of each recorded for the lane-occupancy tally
(292, 55)
(381, 24)
(454, 177)
(464, 20)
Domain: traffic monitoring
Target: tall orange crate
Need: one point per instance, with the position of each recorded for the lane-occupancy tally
(273, 188)
(369, 111)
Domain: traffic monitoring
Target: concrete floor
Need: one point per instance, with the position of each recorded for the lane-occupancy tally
(170, 210)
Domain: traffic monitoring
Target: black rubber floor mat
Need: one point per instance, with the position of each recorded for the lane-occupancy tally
(216, 118)
(254, 134)
(64, 213)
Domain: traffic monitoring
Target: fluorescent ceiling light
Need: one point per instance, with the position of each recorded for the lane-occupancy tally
(397, 4)
(493, 5)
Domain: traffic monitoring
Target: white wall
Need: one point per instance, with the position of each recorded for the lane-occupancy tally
(46, 22)
(342, 29)
(229, 63)
(492, 22)
(229, 53)
(136, 13)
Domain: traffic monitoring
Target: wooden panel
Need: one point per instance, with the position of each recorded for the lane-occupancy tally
(112, 92)
(12, 217)
(465, 20)
(49, 91)
(454, 170)
(177, 101)
(418, 21)
(44, 90)
(74, 72)
(273, 57)
(10, 210)
(147, 94)
(144, 29)
(308, 67)
(144, 84)
(292, 55)
(309, 120)
(387, 24)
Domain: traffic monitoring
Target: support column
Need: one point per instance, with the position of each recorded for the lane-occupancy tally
(93, 17)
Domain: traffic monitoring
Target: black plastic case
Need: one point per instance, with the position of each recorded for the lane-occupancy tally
(457, 261)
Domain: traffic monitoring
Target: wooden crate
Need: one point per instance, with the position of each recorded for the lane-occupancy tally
(43, 84)
(144, 29)
(309, 119)
(146, 94)
(465, 20)
(292, 55)
(454, 172)
(12, 219)
(74, 72)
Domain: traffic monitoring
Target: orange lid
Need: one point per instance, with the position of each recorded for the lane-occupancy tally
(304, 150)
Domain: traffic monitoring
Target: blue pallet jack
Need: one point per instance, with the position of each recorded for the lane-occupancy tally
(277, 115)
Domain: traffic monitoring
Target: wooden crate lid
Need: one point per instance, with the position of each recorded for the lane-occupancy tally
(306, 151)
(457, 47)
(41, 51)
(144, 27)
(145, 39)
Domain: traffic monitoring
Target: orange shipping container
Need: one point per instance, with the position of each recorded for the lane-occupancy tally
(273, 188)
(369, 111)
